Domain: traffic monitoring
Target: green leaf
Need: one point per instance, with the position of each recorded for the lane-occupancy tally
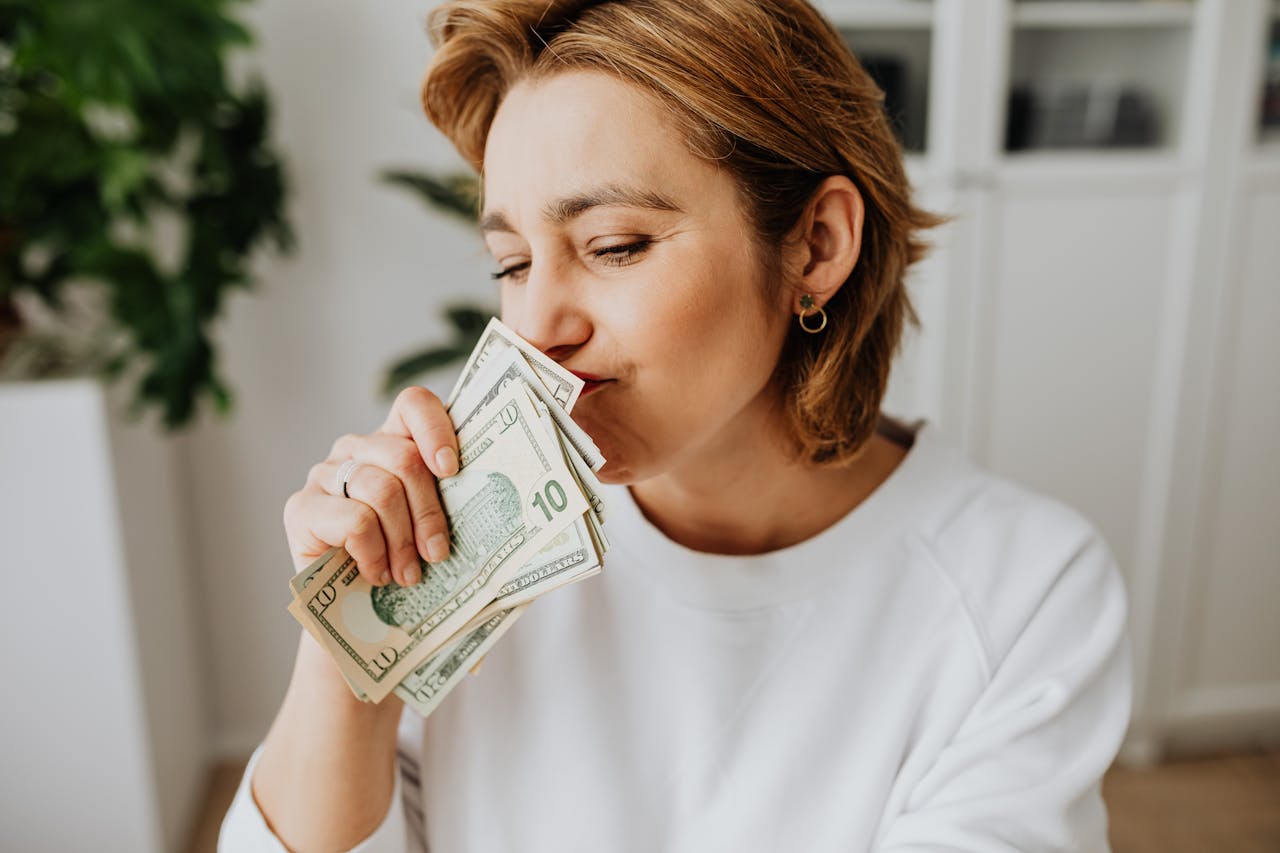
(468, 322)
(402, 373)
(456, 195)
(124, 172)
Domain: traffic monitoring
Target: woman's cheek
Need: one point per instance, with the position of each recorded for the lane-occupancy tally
(666, 328)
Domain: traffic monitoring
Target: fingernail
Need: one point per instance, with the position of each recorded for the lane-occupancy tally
(384, 579)
(438, 547)
(412, 574)
(447, 461)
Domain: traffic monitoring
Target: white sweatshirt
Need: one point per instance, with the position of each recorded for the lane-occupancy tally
(945, 668)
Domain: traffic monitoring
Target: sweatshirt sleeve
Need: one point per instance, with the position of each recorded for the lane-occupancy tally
(1023, 770)
(245, 830)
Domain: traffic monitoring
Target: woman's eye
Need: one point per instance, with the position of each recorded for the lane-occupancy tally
(621, 256)
(615, 256)
(509, 271)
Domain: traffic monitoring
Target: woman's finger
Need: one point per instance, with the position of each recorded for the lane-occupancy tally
(316, 522)
(383, 491)
(400, 456)
(419, 414)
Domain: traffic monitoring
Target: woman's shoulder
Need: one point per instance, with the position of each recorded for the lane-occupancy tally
(1012, 552)
(951, 498)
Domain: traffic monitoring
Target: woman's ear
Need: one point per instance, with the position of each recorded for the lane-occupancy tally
(825, 243)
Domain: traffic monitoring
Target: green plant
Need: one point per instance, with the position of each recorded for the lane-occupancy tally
(457, 196)
(116, 116)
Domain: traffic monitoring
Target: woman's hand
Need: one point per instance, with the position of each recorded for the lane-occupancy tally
(392, 514)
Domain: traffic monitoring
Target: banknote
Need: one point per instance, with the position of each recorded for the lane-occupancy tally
(574, 555)
(299, 582)
(512, 495)
(504, 369)
(568, 558)
(586, 478)
(525, 517)
(480, 628)
(296, 609)
(590, 487)
(496, 339)
(425, 687)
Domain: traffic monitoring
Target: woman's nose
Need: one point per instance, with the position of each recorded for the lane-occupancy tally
(548, 314)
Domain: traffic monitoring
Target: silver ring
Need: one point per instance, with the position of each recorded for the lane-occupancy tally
(345, 470)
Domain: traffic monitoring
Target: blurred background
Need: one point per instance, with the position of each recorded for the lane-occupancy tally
(200, 209)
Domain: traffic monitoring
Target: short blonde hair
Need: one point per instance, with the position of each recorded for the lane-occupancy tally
(768, 91)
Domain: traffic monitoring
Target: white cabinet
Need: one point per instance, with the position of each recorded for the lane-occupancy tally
(1100, 319)
(104, 731)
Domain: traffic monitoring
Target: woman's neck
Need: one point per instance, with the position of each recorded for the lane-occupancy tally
(742, 494)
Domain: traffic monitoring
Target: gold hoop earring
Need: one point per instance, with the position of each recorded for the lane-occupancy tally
(806, 302)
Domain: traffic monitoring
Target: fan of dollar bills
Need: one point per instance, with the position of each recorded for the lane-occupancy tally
(524, 514)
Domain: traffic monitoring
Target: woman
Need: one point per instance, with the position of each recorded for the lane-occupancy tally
(818, 628)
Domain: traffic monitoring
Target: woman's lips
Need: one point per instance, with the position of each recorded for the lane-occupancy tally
(591, 381)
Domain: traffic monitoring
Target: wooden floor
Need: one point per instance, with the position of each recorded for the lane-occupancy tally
(223, 781)
(1205, 805)
(1229, 804)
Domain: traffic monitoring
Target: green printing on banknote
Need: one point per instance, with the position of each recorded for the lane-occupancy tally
(347, 573)
(489, 519)
(543, 572)
(433, 675)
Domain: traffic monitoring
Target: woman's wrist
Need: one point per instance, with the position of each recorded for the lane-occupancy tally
(327, 768)
(318, 683)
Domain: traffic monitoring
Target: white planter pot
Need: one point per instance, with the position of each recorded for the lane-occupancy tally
(104, 736)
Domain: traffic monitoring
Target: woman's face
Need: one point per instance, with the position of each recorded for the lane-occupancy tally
(628, 260)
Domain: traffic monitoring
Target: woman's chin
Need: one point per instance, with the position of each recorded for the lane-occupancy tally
(615, 474)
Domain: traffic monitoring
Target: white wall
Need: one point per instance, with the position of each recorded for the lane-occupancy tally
(306, 350)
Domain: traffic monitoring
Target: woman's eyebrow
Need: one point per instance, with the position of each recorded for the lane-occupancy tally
(565, 209)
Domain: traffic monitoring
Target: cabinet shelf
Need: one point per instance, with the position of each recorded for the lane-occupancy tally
(1079, 84)
(1264, 170)
(1152, 13)
(899, 60)
(1091, 169)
